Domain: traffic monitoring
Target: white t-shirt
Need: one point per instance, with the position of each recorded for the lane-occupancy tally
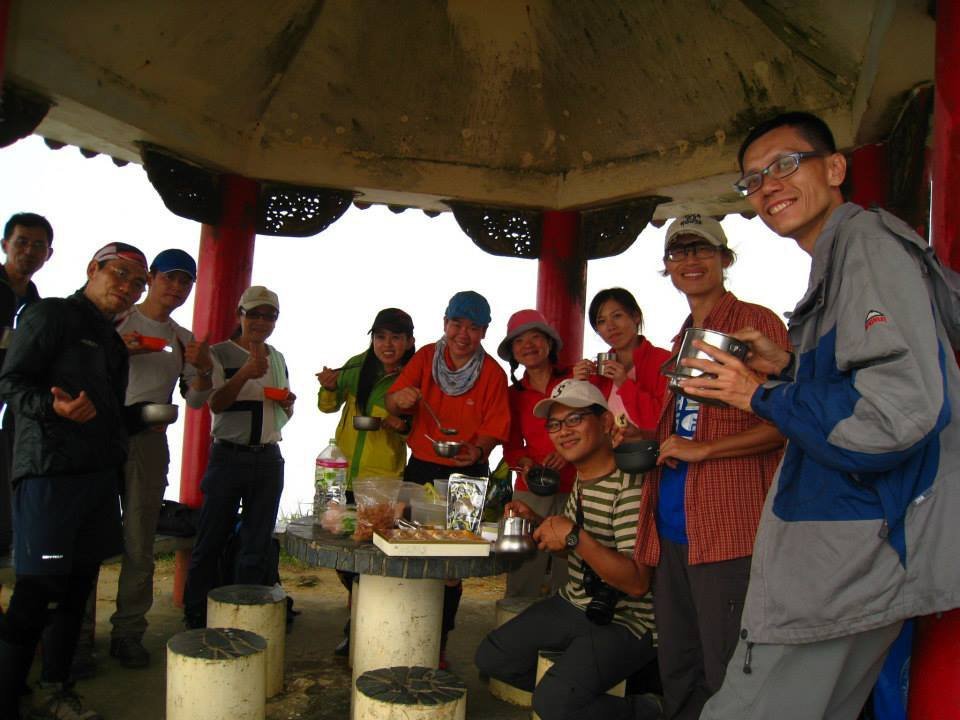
(154, 375)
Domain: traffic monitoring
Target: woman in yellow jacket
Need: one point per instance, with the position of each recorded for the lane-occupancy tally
(359, 388)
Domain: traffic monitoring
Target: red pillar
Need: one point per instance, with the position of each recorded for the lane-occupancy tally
(935, 664)
(869, 175)
(562, 280)
(4, 26)
(223, 273)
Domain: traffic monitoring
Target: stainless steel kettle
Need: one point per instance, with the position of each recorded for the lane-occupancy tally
(514, 536)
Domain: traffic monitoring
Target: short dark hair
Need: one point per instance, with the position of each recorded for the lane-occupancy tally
(811, 128)
(28, 220)
(624, 297)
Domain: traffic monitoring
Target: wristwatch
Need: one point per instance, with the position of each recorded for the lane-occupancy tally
(573, 537)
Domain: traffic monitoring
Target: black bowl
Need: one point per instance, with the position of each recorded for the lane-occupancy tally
(543, 480)
(637, 457)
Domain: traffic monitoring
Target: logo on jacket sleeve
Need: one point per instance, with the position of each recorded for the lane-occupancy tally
(874, 317)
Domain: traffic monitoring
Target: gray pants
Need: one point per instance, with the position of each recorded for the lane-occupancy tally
(145, 480)
(698, 610)
(543, 570)
(830, 679)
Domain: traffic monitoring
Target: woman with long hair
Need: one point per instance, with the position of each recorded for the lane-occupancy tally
(359, 388)
(636, 389)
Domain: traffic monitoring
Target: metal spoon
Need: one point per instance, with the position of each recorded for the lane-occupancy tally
(443, 430)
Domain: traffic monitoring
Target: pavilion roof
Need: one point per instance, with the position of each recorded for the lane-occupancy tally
(534, 104)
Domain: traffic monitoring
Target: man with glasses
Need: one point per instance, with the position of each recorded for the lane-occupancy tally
(600, 625)
(65, 377)
(154, 374)
(700, 510)
(28, 244)
(860, 528)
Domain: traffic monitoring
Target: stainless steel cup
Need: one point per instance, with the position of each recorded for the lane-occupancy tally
(602, 358)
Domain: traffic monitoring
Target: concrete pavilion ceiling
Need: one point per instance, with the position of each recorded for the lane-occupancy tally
(535, 103)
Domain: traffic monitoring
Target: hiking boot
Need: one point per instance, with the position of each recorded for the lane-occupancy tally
(63, 704)
(130, 652)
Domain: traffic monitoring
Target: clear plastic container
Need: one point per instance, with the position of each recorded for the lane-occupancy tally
(428, 513)
(440, 485)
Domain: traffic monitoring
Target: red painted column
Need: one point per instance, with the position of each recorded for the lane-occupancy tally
(562, 280)
(223, 273)
(869, 176)
(935, 664)
(4, 27)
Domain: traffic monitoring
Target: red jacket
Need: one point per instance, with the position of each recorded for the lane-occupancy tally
(644, 397)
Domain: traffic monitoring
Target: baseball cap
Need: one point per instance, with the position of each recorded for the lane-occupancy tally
(257, 295)
(572, 393)
(392, 319)
(702, 226)
(469, 305)
(174, 260)
(519, 323)
(120, 251)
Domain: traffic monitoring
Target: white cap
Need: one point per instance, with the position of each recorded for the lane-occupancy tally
(572, 393)
(702, 226)
(257, 295)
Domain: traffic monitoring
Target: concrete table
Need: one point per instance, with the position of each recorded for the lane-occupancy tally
(401, 598)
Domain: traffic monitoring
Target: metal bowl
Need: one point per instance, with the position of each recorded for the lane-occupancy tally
(636, 457)
(447, 448)
(159, 413)
(366, 422)
(687, 351)
(542, 480)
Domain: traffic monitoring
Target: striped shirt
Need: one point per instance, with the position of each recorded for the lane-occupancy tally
(610, 509)
(250, 419)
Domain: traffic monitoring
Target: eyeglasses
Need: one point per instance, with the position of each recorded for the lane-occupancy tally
(782, 167)
(700, 250)
(572, 420)
(22, 243)
(258, 315)
(123, 276)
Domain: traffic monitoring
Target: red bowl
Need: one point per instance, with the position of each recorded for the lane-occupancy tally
(275, 393)
(148, 342)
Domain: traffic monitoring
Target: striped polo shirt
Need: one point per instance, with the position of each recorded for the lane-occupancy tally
(610, 509)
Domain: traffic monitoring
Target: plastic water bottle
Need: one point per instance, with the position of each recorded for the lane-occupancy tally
(330, 478)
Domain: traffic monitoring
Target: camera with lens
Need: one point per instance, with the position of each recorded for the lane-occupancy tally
(603, 597)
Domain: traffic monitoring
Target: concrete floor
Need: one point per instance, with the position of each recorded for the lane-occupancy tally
(317, 682)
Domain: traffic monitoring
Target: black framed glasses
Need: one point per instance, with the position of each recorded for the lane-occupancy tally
(572, 420)
(260, 315)
(783, 166)
(700, 250)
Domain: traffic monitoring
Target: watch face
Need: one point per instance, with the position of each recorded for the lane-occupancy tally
(573, 537)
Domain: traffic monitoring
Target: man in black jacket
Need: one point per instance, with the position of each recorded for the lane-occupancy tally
(65, 376)
(28, 244)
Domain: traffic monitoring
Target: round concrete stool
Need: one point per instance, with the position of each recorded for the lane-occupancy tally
(260, 609)
(216, 674)
(507, 609)
(410, 693)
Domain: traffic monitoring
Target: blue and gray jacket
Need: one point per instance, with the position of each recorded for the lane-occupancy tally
(862, 523)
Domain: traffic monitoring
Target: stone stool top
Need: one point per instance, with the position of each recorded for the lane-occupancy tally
(411, 686)
(248, 594)
(216, 643)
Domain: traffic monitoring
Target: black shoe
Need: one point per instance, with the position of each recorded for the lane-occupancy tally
(63, 704)
(130, 652)
(343, 649)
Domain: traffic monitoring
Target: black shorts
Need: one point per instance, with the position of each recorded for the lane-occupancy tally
(60, 522)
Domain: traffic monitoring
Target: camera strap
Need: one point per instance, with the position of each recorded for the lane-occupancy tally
(579, 512)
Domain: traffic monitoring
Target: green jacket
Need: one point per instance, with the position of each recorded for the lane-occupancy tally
(372, 453)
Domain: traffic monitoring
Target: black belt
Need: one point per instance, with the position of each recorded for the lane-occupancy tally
(237, 447)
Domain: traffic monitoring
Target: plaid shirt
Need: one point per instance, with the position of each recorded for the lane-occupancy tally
(723, 497)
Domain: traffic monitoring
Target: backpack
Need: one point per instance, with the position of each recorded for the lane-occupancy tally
(943, 282)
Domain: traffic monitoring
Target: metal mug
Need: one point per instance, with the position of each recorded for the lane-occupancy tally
(602, 358)
(725, 342)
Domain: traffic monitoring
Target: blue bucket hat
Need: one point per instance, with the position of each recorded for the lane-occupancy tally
(173, 260)
(469, 305)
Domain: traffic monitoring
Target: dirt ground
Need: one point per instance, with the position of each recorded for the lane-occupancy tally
(317, 683)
